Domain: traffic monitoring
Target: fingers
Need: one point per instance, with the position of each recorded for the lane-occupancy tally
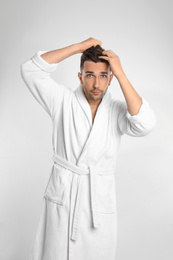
(89, 43)
(94, 41)
(109, 53)
(104, 57)
(97, 42)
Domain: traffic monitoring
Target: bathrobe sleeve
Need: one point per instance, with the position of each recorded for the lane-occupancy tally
(36, 74)
(140, 124)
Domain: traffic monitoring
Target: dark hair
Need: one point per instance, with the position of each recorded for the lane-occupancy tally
(92, 54)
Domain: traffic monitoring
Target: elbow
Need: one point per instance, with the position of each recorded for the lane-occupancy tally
(151, 125)
(27, 71)
(22, 70)
(26, 75)
(143, 129)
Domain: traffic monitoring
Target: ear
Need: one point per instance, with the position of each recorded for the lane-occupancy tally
(80, 77)
(111, 77)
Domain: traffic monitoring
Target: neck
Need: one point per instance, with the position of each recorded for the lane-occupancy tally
(93, 103)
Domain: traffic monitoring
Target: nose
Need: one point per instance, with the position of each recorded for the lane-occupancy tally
(96, 82)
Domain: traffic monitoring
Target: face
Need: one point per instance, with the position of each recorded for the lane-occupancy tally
(95, 78)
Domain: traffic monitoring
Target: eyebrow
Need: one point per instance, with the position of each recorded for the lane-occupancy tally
(93, 72)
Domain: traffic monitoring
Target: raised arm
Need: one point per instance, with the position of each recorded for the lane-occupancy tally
(133, 100)
(135, 116)
(36, 73)
(58, 55)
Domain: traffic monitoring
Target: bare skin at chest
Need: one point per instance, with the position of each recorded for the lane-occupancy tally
(93, 112)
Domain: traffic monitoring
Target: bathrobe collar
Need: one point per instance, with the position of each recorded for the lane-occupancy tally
(102, 108)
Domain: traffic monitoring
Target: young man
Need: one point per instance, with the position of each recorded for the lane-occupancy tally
(78, 218)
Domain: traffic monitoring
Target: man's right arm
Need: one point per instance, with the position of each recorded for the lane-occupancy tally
(36, 73)
(58, 55)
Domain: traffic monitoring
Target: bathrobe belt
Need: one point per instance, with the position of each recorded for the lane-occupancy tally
(91, 171)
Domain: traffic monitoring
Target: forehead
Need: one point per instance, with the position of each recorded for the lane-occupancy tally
(95, 66)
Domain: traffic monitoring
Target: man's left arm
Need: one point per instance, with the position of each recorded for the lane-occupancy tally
(133, 100)
(139, 119)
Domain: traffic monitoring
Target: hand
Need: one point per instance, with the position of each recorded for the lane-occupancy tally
(89, 43)
(114, 62)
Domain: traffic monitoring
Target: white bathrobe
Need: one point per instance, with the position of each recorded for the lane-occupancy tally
(78, 219)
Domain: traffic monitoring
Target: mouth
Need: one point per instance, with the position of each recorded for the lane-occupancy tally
(96, 92)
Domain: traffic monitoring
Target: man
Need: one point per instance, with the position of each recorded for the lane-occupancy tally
(78, 218)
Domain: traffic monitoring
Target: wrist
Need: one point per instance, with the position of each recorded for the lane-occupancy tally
(121, 75)
(78, 47)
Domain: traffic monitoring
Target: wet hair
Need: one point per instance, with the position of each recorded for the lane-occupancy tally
(92, 54)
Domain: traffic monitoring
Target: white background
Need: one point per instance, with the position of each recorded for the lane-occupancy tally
(140, 33)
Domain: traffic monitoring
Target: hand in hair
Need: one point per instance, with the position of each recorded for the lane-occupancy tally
(114, 62)
(89, 43)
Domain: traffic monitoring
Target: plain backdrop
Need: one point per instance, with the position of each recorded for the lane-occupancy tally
(140, 33)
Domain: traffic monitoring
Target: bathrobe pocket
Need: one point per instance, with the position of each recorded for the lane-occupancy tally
(106, 193)
(57, 187)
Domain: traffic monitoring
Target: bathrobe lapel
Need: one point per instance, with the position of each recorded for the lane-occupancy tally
(100, 122)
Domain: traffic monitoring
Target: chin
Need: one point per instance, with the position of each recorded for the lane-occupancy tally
(97, 98)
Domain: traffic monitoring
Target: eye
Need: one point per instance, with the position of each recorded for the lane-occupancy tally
(103, 76)
(89, 75)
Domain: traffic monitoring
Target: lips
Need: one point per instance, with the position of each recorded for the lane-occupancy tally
(96, 92)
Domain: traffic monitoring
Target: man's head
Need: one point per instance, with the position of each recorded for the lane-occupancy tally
(95, 75)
